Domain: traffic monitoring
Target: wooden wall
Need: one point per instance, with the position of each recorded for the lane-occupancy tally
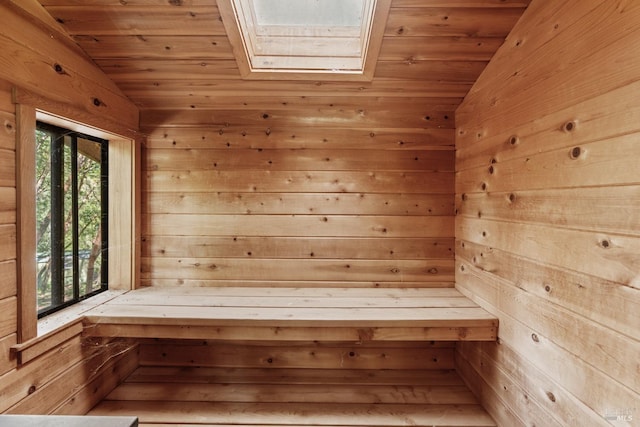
(324, 190)
(548, 225)
(191, 381)
(72, 376)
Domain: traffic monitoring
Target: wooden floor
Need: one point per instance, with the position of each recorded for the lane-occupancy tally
(294, 397)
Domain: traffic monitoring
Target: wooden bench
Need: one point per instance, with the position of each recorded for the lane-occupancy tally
(299, 356)
(304, 313)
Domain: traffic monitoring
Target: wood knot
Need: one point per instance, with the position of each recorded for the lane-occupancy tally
(58, 69)
(512, 197)
(575, 153)
(97, 102)
(569, 126)
(514, 140)
(535, 338)
(433, 270)
(551, 396)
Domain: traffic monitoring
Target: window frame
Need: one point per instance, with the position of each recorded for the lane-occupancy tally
(124, 211)
(240, 29)
(58, 133)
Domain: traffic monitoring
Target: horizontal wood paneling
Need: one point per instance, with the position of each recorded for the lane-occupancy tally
(304, 382)
(541, 398)
(247, 88)
(298, 160)
(427, 116)
(298, 225)
(34, 55)
(264, 181)
(605, 302)
(140, 19)
(7, 361)
(102, 357)
(433, 48)
(298, 247)
(300, 270)
(612, 353)
(9, 320)
(7, 168)
(302, 355)
(121, 362)
(190, 283)
(7, 242)
(547, 225)
(226, 69)
(451, 21)
(8, 273)
(199, 375)
(300, 138)
(591, 58)
(611, 212)
(47, 68)
(217, 182)
(288, 393)
(7, 205)
(301, 203)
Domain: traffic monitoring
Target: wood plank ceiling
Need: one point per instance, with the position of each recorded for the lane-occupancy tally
(174, 54)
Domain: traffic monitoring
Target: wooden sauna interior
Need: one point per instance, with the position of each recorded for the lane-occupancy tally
(491, 166)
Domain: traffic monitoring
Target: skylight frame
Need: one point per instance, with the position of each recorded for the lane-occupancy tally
(246, 35)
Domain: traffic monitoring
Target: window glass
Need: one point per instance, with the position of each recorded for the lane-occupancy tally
(71, 217)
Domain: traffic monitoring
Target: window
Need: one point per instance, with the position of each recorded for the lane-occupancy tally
(120, 217)
(71, 216)
(311, 38)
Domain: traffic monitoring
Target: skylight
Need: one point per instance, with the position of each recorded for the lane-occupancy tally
(312, 38)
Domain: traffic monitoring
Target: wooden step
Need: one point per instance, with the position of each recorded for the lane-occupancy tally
(339, 314)
(294, 397)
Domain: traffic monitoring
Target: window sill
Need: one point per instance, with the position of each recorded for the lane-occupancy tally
(59, 327)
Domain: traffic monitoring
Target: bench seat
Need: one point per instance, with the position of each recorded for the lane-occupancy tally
(302, 313)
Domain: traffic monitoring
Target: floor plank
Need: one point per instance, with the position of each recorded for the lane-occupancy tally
(295, 397)
(345, 414)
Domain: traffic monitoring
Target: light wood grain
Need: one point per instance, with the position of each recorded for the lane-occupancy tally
(292, 314)
(411, 182)
(532, 226)
(327, 414)
(26, 226)
(228, 137)
(297, 247)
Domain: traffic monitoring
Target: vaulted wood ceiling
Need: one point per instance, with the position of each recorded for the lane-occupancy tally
(175, 55)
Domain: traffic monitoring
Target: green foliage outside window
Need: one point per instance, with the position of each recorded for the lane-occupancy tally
(79, 266)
